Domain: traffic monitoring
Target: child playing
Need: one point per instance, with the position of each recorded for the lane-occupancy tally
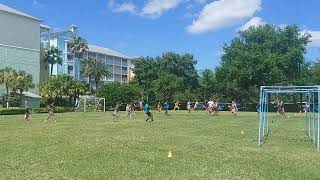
(147, 109)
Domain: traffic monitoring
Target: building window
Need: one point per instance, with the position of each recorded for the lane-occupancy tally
(124, 78)
(117, 61)
(70, 70)
(117, 77)
(117, 70)
(124, 70)
(124, 62)
(101, 58)
(110, 68)
(110, 60)
(92, 55)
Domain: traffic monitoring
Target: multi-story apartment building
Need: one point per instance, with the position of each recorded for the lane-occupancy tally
(20, 43)
(23, 41)
(118, 64)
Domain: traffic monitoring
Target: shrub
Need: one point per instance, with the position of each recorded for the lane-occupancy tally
(12, 111)
(39, 110)
(14, 101)
(63, 109)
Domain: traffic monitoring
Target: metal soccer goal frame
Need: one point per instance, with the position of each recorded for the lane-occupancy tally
(86, 100)
(312, 94)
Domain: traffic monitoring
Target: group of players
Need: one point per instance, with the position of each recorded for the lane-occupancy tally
(211, 107)
(50, 110)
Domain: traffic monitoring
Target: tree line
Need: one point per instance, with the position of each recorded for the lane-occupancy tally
(258, 56)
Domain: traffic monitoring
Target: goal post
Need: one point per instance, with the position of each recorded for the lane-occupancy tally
(90, 104)
(312, 100)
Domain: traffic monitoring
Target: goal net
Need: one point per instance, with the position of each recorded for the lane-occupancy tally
(90, 104)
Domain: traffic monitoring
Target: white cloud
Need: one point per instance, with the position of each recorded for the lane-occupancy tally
(155, 8)
(256, 21)
(126, 7)
(123, 7)
(315, 38)
(37, 4)
(223, 13)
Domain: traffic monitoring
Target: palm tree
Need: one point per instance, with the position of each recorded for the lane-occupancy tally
(7, 76)
(100, 71)
(78, 46)
(93, 68)
(88, 70)
(23, 83)
(53, 56)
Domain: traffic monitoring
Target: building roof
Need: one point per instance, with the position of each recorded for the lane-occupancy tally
(43, 26)
(107, 51)
(31, 95)
(16, 12)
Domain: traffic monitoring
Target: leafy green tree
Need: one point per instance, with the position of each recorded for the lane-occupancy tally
(53, 56)
(119, 93)
(171, 70)
(315, 72)
(146, 71)
(182, 66)
(57, 87)
(76, 89)
(207, 84)
(167, 85)
(264, 55)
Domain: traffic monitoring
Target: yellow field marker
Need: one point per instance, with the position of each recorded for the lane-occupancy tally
(170, 154)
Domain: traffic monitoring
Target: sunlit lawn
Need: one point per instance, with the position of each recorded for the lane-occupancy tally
(92, 146)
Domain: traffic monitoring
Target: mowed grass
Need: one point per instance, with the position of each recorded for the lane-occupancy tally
(92, 146)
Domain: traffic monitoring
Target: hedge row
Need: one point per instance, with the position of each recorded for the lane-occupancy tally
(14, 111)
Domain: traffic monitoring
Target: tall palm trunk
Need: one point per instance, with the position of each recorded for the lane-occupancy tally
(97, 82)
(90, 85)
(21, 100)
(51, 69)
(7, 89)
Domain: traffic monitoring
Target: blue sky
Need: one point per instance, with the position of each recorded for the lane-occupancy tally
(151, 27)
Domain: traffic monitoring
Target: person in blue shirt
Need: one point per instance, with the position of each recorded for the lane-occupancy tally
(147, 109)
(166, 107)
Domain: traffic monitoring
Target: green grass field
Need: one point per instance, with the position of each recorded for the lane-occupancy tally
(92, 146)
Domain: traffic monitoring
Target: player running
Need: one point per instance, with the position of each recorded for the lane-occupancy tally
(147, 109)
(166, 107)
(196, 105)
(26, 113)
(129, 111)
(176, 106)
(215, 108)
(210, 106)
(50, 113)
(280, 108)
(189, 106)
(233, 108)
(159, 107)
(115, 111)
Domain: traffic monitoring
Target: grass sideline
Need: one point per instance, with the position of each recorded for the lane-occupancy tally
(92, 146)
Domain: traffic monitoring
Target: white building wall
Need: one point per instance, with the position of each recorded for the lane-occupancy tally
(20, 45)
(19, 31)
